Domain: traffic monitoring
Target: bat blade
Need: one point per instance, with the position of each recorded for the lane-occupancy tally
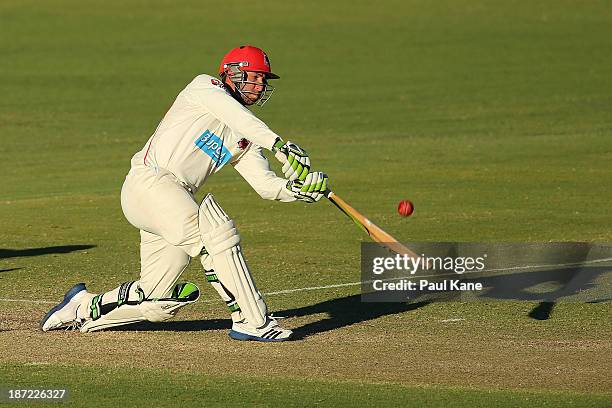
(374, 231)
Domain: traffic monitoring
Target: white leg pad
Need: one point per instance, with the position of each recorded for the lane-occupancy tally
(222, 242)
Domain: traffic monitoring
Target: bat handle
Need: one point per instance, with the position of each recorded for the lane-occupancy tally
(280, 156)
(328, 193)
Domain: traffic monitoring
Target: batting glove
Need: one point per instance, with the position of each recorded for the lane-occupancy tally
(311, 190)
(298, 163)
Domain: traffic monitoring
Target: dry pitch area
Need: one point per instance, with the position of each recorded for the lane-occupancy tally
(475, 348)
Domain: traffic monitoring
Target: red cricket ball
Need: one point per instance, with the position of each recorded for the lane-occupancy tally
(405, 208)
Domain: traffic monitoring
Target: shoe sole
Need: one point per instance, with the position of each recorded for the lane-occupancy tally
(248, 337)
(67, 297)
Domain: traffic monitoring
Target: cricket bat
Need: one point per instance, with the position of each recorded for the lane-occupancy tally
(374, 231)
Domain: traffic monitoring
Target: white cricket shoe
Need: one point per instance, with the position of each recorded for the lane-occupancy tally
(64, 314)
(271, 331)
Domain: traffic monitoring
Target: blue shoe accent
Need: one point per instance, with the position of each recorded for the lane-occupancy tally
(69, 295)
(245, 337)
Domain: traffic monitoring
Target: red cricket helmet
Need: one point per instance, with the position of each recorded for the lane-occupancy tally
(247, 58)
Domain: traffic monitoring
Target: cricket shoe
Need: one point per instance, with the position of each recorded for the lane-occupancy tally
(64, 314)
(271, 331)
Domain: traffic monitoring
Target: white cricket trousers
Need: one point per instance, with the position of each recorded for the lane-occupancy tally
(154, 201)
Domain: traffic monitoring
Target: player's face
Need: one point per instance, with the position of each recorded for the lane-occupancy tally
(252, 90)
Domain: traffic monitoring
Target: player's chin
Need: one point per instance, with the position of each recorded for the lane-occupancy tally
(251, 98)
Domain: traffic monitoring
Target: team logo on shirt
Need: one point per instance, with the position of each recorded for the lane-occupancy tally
(243, 143)
(212, 145)
(216, 82)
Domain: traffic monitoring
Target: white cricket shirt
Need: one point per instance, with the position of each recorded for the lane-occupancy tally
(206, 129)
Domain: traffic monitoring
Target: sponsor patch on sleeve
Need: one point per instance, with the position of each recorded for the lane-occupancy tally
(212, 145)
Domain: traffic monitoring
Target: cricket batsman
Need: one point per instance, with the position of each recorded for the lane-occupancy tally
(207, 128)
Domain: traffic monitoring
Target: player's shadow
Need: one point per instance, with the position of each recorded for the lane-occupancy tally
(62, 249)
(9, 270)
(570, 282)
(341, 312)
(344, 312)
(177, 325)
(349, 310)
(520, 287)
(542, 311)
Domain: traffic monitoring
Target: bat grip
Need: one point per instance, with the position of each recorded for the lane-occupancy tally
(280, 156)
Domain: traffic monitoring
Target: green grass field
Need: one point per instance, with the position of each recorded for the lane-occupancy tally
(494, 118)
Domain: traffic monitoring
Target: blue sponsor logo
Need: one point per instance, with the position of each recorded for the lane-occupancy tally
(212, 145)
